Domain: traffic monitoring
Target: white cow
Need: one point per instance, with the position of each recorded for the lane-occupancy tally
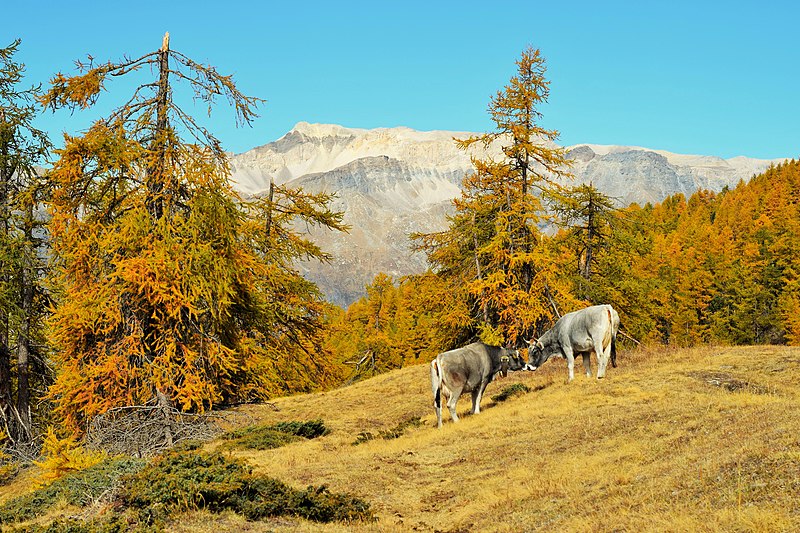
(593, 329)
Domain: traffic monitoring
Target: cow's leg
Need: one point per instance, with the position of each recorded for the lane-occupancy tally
(587, 363)
(452, 401)
(570, 362)
(436, 388)
(446, 396)
(602, 357)
(477, 394)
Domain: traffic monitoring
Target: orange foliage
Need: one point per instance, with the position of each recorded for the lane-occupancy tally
(169, 283)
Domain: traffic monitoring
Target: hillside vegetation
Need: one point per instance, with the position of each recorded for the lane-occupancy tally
(703, 439)
(167, 295)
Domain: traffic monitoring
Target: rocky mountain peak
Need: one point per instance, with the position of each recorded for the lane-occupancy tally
(391, 182)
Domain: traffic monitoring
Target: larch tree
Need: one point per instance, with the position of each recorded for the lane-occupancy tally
(173, 290)
(588, 217)
(494, 243)
(23, 300)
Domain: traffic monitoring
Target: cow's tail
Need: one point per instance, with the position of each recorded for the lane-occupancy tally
(613, 319)
(436, 384)
(613, 350)
(436, 388)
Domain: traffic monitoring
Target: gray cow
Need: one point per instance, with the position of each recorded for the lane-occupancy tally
(468, 369)
(593, 329)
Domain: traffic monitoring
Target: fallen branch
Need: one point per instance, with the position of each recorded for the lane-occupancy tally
(620, 332)
(145, 430)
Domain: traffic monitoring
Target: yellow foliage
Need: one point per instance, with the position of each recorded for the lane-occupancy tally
(493, 250)
(167, 281)
(63, 456)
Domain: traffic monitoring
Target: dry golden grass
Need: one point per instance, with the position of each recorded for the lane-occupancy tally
(706, 439)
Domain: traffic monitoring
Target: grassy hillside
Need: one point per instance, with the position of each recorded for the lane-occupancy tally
(706, 439)
(673, 440)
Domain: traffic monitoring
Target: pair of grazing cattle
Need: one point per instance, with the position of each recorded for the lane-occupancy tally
(472, 368)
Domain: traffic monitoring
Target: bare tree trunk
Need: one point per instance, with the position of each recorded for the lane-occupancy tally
(157, 169)
(6, 173)
(269, 206)
(5, 366)
(156, 185)
(484, 309)
(549, 296)
(166, 413)
(590, 235)
(23, 384)
(28, 278)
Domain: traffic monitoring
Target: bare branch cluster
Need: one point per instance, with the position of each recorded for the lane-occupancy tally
(145, 430)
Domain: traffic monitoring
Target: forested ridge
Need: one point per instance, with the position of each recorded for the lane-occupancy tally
(714, 268)
(137, 285)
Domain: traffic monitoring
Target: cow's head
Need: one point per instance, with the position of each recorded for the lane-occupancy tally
(510, 360)
(536, 355)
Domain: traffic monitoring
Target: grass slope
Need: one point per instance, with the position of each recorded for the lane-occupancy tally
(706, 439)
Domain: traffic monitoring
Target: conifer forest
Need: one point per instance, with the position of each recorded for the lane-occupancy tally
(140, 294)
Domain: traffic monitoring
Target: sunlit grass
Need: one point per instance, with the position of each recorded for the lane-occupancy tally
(703, 439)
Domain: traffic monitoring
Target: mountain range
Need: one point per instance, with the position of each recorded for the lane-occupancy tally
(391, 182)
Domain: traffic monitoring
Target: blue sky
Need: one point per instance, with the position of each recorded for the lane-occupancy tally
(715, 78)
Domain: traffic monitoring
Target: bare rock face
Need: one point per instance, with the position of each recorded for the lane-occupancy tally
(391, 182)
(384, 200)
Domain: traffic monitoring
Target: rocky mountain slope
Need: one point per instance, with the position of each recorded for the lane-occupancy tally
(394, 181)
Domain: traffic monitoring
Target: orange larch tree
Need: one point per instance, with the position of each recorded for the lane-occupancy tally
(494, 244)
(171, 288)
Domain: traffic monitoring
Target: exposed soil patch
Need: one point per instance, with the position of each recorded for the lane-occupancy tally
(728, 382)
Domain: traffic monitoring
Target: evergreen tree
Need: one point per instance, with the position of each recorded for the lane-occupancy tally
(173, 289)
(23, 301)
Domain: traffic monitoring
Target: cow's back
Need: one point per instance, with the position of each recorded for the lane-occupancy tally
(580, 328)
(466, 367)
(600, 322)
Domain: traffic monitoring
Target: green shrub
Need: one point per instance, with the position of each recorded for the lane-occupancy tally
(512, 390)
(389, 434)
(364, 436)
(275, 436)
(78, 488)
(180, 481)
(308, 430)
(146, 495)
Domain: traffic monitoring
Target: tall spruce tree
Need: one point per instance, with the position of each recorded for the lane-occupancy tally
(23, 301)
(173, 290)
(494, 243)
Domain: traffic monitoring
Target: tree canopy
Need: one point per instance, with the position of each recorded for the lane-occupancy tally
(172, 287)
(23, 298)
(494, 243)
